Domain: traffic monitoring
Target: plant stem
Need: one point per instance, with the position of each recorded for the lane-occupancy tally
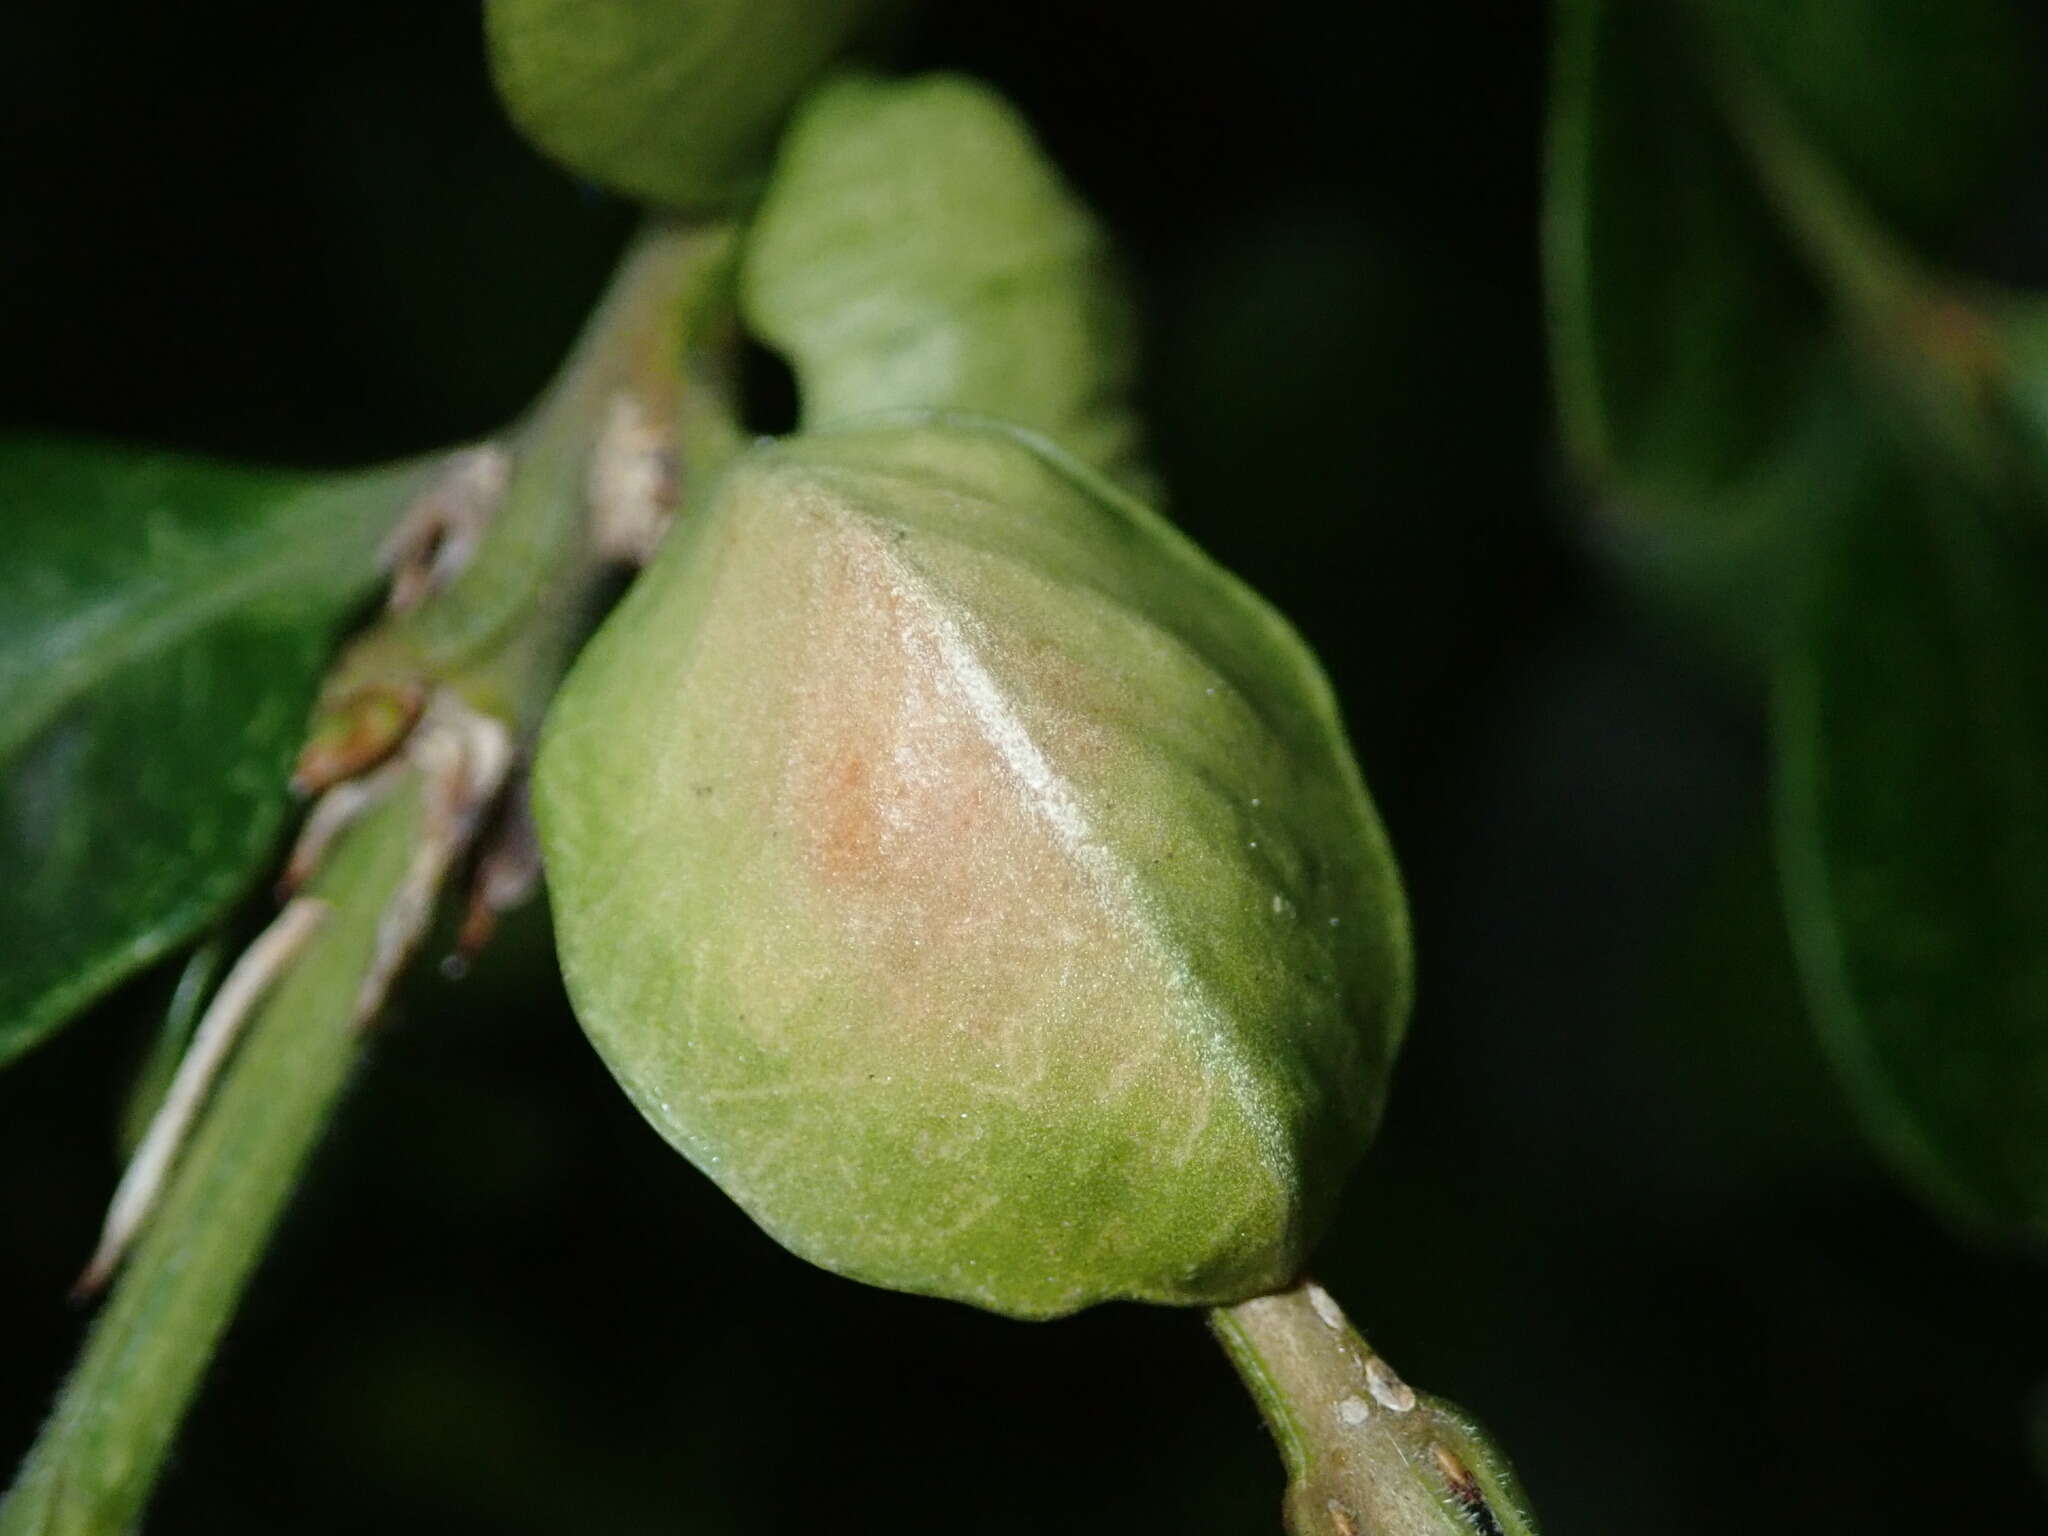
(98, 1455)
(503, 630)
(540, 552)
(1366, 1455)
(487, 652)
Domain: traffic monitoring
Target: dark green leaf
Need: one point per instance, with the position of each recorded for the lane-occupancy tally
(1916, 105)
(1681, 326)
(1692, 365)
(916, 250)
(672, 102)
(1913, 830)
(1700, 369)
(163, 625)
(2022, 323)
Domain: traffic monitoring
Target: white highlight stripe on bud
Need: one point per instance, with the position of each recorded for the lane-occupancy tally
(1053, 800)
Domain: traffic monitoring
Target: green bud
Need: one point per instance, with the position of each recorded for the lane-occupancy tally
(915, 250)
(973, 879)
(673, 102)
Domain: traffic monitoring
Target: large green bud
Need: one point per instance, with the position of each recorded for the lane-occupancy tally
(972, 878)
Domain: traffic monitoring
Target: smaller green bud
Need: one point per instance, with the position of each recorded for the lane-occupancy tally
(972, 878)
(916, 250)
(675, 103)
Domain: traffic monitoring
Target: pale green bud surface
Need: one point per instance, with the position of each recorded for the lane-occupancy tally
(972, 879)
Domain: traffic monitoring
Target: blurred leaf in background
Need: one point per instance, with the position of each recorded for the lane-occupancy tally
(1702, 377)
(1913, 836)
(1919, 107)
(1786, 418)
(1694, 374)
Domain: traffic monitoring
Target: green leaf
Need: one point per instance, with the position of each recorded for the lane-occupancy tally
(163, 624)
(2022, 331)
(1703, 375)
(1693, 372)
(673, 102)
(1681, 326)
(1743, 350)
(916, 250)
(1918, 106)
(1913, 840)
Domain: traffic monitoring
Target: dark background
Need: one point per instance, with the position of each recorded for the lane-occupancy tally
(1618, 1209)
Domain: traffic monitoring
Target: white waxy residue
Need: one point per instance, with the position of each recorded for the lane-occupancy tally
(1388, 1389)
(1325, 1306)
